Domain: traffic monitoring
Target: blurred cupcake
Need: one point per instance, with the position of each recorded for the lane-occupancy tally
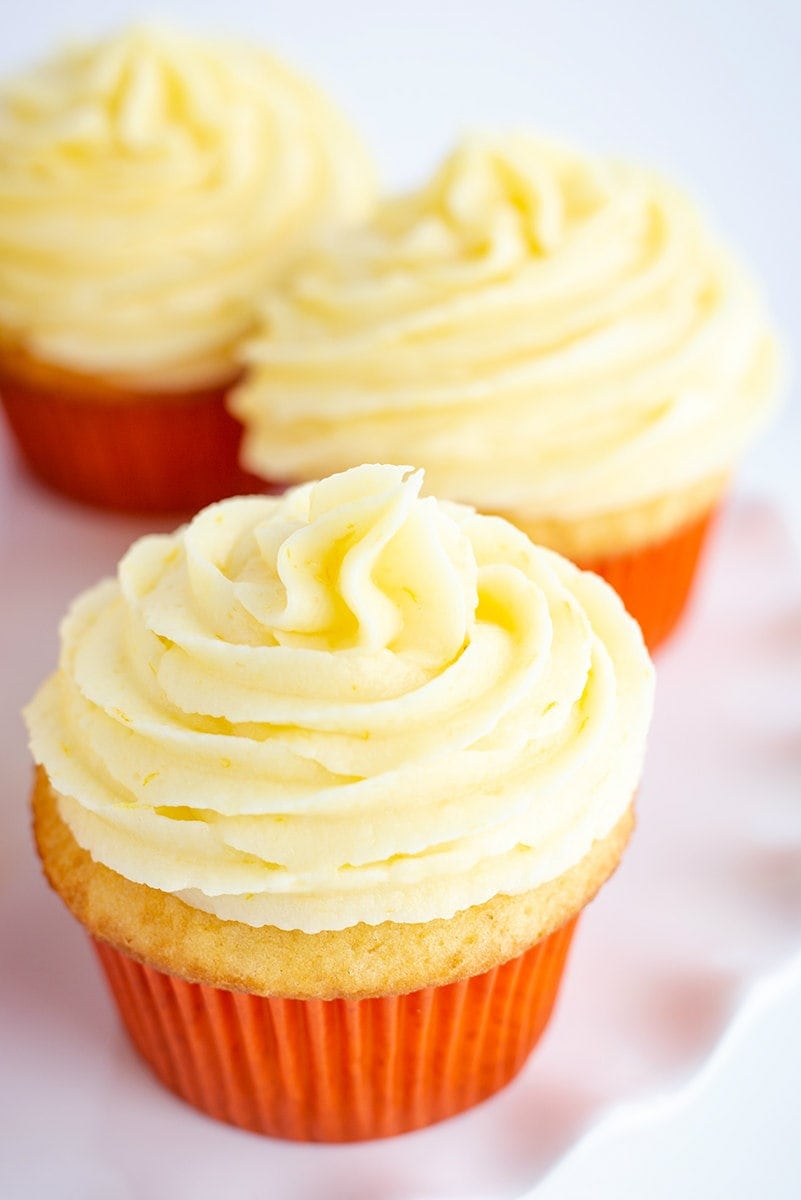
(328, 778)
(553, 337)
(150, 184)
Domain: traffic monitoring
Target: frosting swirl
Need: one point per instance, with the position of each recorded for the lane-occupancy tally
(547, 334)
(348, 704)
(150, 185)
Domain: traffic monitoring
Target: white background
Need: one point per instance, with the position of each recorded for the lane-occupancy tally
(709, 91)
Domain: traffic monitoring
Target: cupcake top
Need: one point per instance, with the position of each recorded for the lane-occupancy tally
(150, 184)
(348, 704)
(546, 333)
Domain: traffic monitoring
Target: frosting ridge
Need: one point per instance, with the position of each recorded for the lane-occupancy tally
(546, 333)
(351, 703)
(150, 184)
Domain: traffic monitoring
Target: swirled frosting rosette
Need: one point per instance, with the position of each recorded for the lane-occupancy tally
(349, 704)
(548, 334)
(150, 184)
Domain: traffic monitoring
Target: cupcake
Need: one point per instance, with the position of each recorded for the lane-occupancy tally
(328, 779)
(150, 185)
(555, 338)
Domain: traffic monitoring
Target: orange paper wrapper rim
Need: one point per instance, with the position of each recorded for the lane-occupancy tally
(133, 452)
(655, 582)
(339, 1070)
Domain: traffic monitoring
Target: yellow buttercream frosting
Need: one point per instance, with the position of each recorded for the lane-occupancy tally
(348, 704)
(550, 335)
(150, 184)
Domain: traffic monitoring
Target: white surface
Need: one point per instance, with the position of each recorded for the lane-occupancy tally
(715, 1136)
(697, 938)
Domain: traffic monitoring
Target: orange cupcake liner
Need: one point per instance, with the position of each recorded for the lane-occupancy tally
(655, 582)
(133, 452)
(339, 1070)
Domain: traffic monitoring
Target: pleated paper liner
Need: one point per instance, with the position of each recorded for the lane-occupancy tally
(655, 582)
(129, 451)
(339, 1070)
